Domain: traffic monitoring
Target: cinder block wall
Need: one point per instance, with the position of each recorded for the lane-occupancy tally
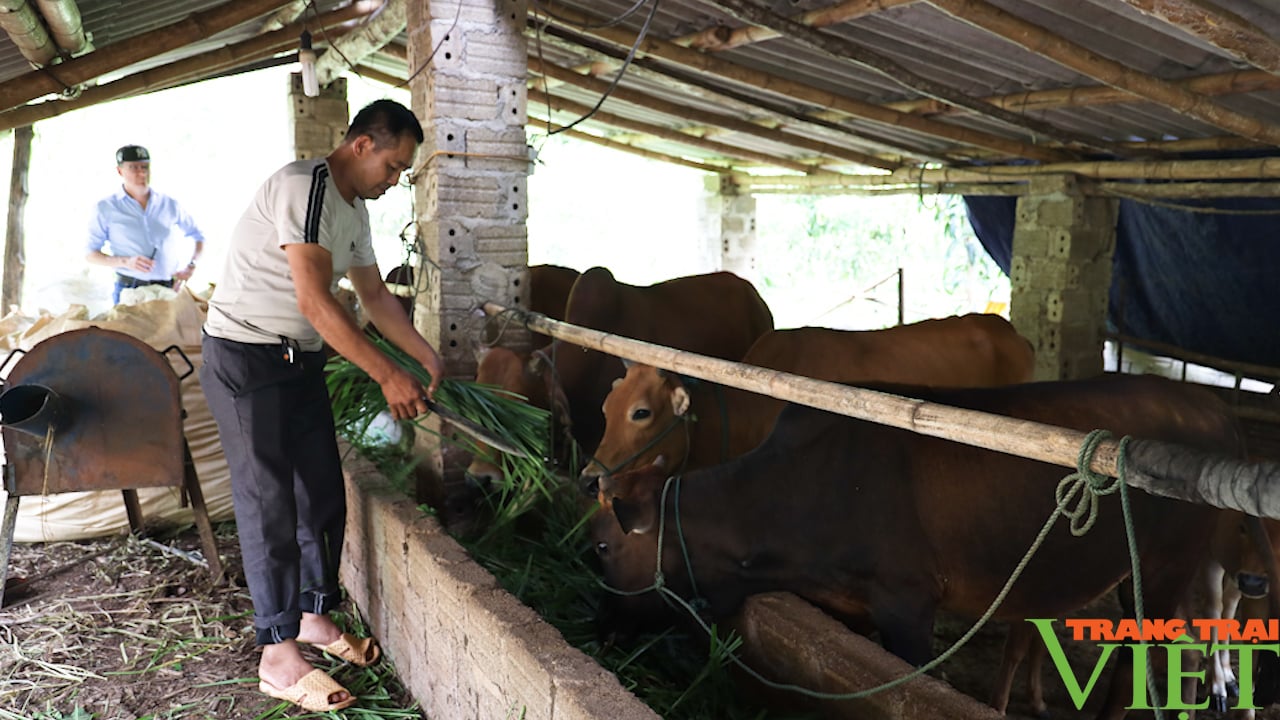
(464, 647)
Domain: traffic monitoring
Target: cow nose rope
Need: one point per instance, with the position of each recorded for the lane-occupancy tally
(1083, 516)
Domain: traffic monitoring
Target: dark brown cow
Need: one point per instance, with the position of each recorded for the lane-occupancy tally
(642, 412)
(868, 520)
(549, 288)
(718, 314)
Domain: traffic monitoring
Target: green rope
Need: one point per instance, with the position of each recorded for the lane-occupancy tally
(1083, 516)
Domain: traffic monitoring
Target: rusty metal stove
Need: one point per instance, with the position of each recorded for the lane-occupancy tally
(96, 409)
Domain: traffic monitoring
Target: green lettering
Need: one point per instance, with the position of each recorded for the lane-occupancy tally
(1245, 701)
(1078, 695)
(1174, 652)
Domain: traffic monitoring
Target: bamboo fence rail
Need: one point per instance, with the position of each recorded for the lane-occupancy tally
(1156, 467)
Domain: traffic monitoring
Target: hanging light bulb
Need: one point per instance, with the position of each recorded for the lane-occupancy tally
(307, 59)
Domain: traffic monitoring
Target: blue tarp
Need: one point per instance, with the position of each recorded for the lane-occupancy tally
(1203, 281)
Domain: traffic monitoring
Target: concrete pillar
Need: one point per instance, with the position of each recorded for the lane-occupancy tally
(1060, 275)
(728, 220)
(317, 123)
(469, 185)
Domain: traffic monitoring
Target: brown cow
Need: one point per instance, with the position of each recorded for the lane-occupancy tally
(869, 520)
(717, 314)
(643, 410)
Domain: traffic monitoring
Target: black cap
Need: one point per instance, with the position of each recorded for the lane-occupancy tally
(132, 153)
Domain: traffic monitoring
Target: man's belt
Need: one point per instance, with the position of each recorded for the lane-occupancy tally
(126, 281)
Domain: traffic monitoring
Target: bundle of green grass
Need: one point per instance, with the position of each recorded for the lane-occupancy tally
(357, 401)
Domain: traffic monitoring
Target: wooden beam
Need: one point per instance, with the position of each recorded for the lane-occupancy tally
(1240, 169)
(665, 133)
(543, 123)
(15, 262)
(1231, 83)
(843, 49)
(721, 121)
(706, 63)
(1219, 27)
(121, 54)
(720, 38)
(157, 78)
(1068, 54)
(1184, 190)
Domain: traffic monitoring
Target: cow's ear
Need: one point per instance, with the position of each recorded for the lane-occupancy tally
(634, 516)
(679, 400)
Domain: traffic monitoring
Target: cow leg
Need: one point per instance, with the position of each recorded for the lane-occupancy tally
(1020, 644)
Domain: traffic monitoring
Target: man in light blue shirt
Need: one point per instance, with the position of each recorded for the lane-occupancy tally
(142, 229)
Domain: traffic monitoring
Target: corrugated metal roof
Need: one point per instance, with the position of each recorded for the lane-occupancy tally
(814, 94)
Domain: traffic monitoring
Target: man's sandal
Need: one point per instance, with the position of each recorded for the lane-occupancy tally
(312, 693)
(361, 652)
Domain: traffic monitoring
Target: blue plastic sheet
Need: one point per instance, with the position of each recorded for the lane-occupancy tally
(1203, 281)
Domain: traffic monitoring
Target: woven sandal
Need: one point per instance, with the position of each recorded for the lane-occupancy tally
(311, 693)
(361, 652)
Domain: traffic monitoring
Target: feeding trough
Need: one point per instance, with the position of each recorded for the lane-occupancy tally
(95, 409)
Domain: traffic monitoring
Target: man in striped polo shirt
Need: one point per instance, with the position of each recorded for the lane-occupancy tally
(268, 319)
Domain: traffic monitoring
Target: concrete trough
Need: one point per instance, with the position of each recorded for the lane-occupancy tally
(468, 650)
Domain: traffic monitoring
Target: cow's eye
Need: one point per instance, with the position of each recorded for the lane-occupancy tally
(602, 548)
(641, 414)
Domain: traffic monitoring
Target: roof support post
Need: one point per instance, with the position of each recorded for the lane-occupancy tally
(728, 219)
(468, 64)
(1060, 273)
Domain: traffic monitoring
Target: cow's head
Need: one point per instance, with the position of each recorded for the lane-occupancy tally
(526, 375)
(642, 417)
(626, 532)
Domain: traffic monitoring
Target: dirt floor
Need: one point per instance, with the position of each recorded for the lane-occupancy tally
(120, 629)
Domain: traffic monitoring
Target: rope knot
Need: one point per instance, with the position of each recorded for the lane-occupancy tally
(1089, 485)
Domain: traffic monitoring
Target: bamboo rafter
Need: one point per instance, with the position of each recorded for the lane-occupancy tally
(163, 76)
(714, 119)
(1239, 169)
(698, 83)
(118, 55)
(720, 38)
(707, 63)
(543, 123)
(1068, 54)
(848, 50)
(1231, 83)
(1219, 27)
(665, 133)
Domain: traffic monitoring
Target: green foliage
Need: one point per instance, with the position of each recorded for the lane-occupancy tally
(833, 260)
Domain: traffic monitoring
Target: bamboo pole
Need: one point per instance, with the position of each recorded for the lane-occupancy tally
(380, 76)
(1156, 467)
(999, 189)
(844, 49)
(157, 78)
(709, 118)
(563, 105)
(352, 47)
(544, 124)
(1188, 191)
(14, 238)
(720, 38)
(1218, 27)
(706, 63)
(1068, 54)
(73, 72)
(1236, 169)
(1231, 83)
